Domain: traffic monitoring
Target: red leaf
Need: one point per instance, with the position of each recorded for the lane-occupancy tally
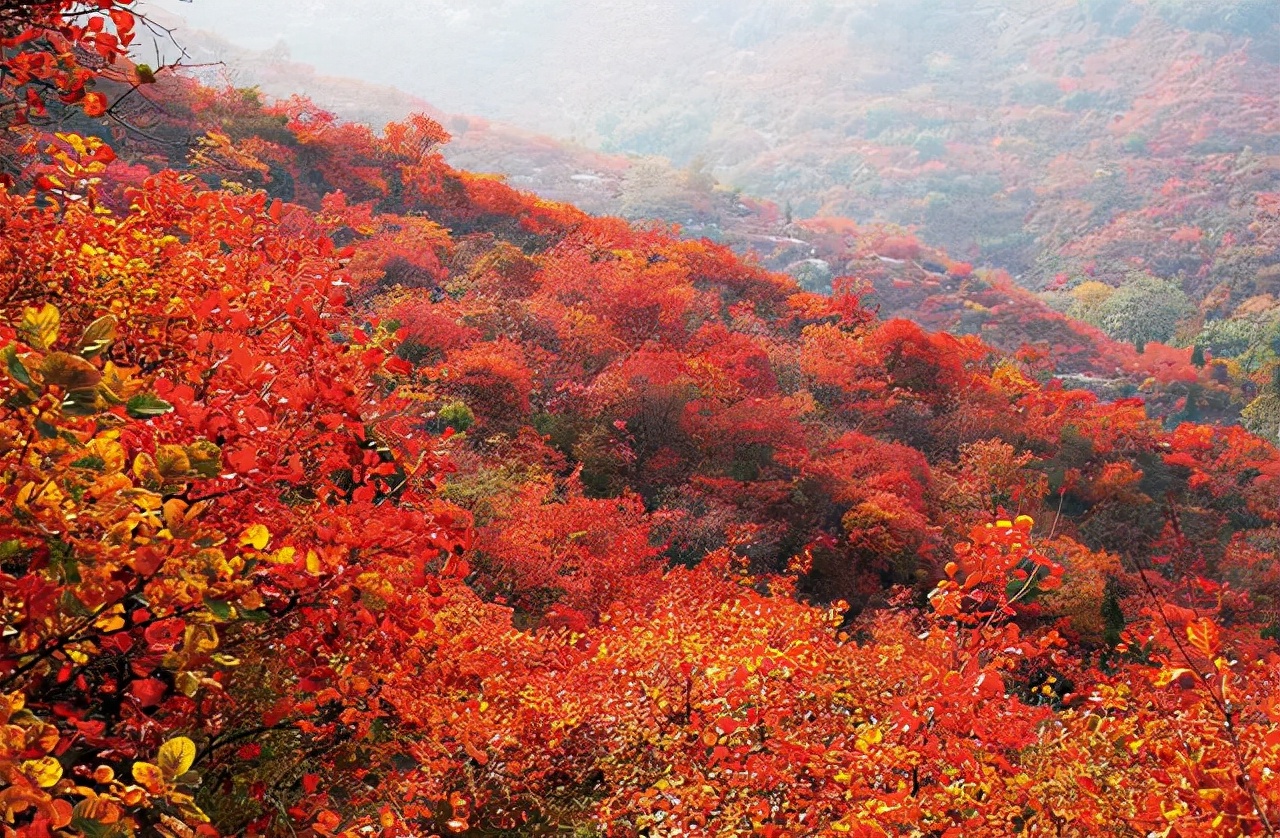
(148, 691)
(241, 459)
(123, 20)
(165, 634)
(455, 568)
(399, 366)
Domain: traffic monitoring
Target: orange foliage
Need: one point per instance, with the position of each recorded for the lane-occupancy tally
(245, 594)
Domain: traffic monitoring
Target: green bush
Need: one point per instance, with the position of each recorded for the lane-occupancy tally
(1143, 310)
(457, 416)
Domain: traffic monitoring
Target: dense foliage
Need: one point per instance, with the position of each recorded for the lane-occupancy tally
(1085, 148)
(347, 493)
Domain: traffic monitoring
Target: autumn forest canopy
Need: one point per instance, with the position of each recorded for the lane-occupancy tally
(351, 492)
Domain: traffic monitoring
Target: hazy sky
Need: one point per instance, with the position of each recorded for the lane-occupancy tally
(467, 56)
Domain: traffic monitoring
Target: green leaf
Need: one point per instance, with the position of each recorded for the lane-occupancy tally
(205, 458)
(46, 430)
(69, 371)
(71, 604)
(98, 336)
(146, 405)
(82, 402)
(14, 364)
(62, 557)
(96, 829)
(218, 608)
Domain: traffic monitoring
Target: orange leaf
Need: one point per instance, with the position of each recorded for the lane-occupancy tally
(149, 777)
(95, 104)
(1204, 636)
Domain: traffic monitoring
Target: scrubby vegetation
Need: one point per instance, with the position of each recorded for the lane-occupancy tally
(348, 493)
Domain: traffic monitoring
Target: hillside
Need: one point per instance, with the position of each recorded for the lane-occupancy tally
(965, 118)
(349, 493)
(1078, 147)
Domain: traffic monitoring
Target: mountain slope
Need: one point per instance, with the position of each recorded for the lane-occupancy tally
(350, 493)
(1069, 144)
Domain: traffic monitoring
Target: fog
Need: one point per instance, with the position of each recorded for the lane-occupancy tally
(999, 129)
(530, 61)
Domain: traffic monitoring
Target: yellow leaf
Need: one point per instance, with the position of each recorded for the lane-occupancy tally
(109, 622)
(110, 452)
(117, 385)
(313, 563)
(10, 704)
(74, 140)
(188, 683)
(283, 556)
(200, 638)
(47, 496)
(144, 468)
(23, 500)
(145, 500)
(172, 462)
(40, 328)
(46, 771)
(205, 458)
(256, 535)
(149, 777)
(176, 756)
(97, 808)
